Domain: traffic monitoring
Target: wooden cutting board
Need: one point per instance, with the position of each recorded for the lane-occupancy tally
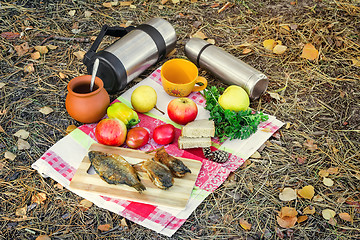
(176, 196)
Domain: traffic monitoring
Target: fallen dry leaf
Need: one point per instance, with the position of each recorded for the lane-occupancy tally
(310, 145)
(41, 49)
(35, 55)
(332, 221)
(345, 216)
(29, 68)
(43, 237)
(79, 55)
(123, 223)
(87, 14)
(309, 52)
(46, 110)
(246, 51)
(287, 212)
(318, 198)
(328, 214)
(104, 227)
(22, 134)
(285, 29)
(356, 62)
(70, 128)
(2, 84)
(21, 211)
(256, 155)
(333, 170)
(22, 144)
(107, 4)
(244, 224)
(328, 182)
(85, 204)
(288, 194)
(72, 13)
(286, 222)
(212, 41)
(323, 173)
(62, 75)
(10, 35)
(199, 34)
(275, 95)
(269, 44)
(39, 198)
(309, 210)
(9, 155)
(22, 49)
(279, 49)
(51, 47)
(302, 219)
(307, 192)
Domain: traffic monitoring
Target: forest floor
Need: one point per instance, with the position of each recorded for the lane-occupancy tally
(319, 101)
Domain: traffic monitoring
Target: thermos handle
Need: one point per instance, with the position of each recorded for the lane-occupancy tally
(109, 31)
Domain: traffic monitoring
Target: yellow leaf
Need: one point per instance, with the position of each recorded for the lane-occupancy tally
(123, 223)
(286, 222)
(125, 3)
(287, 212)
(256, 155)
(307, 192)
(244, 224)
(22, 144)
(288, 194)
(269, 44)
(79, 55)
(29, 68)
(2, 85)
(323, 173)
(104, 227)
(41, 49)
(309, 52)
(328, 182)
(212, 41)
(302, 219)
(309, 210)
(70, 128)
(328, 214)
(38, 198)
(35, 55)
(279, 49)
(345, 216)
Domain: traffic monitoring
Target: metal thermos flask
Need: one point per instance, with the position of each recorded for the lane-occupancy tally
(226, 67)
(137, 49)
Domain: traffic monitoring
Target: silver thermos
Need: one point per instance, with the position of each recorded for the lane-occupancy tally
(226, 67)
(137, 49)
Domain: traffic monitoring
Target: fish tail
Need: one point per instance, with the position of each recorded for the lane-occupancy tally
(139, 187)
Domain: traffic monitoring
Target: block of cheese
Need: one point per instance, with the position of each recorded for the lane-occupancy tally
(199, 128)
(190, 142)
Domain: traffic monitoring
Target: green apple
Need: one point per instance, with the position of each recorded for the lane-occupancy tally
(234, 98)
(143, 98)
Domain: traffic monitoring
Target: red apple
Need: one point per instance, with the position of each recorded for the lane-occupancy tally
(182, 110)
(137, 137)
(164, 134)
(111, 131)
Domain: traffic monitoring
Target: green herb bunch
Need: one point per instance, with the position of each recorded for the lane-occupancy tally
(228, 123)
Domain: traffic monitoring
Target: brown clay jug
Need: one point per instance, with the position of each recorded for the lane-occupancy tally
(83, 105)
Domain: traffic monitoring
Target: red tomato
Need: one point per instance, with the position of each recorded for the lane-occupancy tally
(164, 134)
(137, 137)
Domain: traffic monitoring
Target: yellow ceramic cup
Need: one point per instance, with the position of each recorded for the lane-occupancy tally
(179, 76)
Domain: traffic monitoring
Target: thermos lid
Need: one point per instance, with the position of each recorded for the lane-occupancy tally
(226, 67)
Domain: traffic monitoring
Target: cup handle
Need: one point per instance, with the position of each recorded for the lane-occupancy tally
(200, 88)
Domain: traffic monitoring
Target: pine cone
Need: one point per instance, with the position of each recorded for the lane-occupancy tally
(207, 152)
(219, 156)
